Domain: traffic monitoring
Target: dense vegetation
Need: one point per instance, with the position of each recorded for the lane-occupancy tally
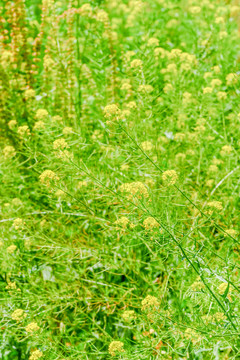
(119, 153)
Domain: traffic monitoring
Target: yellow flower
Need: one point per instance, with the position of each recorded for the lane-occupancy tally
(18, 315)
(41, 114)
(60, 194)
(123, 221)
(146, 89)
(126, 86)
(223, 287)
(129, 315)
(216, 82)
(32, 327)
(39, 125)
(131, 105)
(30, 93)
(115, 347)
(48, 176)
(231, 232)
(167, 88)
(81, 184)
(231, 78)
(170, 177)
(207, 75)
(160, 52)
(149, 302)
(219, 317)
(150, 223)
(11, 249)
(187, 97)
(102, 16)
(213, 169)
(195, 10)
(12, 124)
(207, 90)
(179, 136)
(111, 110)
(136, 63)
(153, 42)
(192, 335)
(60, 144)
(222, 35)
(129, 54)
(215, 204)
(226, 150)
(216, 69)
(9, 152)
(209, 183)
(147, 145)
(37, 354)
(172, 23)
(86, 9)
(23, 131)
(11, 286)
(18, 223)
(219, 20)
(124, 167)
(135, 188)
(197, 285)
(221, 95)
(56, 118)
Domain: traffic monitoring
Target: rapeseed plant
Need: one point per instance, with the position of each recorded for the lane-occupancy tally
(119, 137)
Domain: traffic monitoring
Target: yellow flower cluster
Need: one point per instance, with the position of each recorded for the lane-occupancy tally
(136, 188)
(39, 125)
(153, 42)
(60, 144)
(37, 354)
(231, 232)
(32, 327)
(41, 114)
(219, 317)
(111, 110)
(67, 130)
(102, 16)
(47, 177)
(215, 204)
(9, 152)
(30, 93)
(226, 150)
(197, 285)
(136, 64)
(115, 347)
(18, 223)
(122, 221)
(146, 145)
(18, 315)
(149, 302)
(11, 286)
(12, 124)
(221, 95)
(129, 315)
(11, 249)
(23, 131)
(150, 223)
(231, 79)
(192, 335)
(223, 287)
(169, 177)
(145, 89)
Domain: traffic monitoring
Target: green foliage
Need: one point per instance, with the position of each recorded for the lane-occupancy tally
(119, 180)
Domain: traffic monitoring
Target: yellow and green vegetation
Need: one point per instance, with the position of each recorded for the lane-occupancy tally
(119, 179)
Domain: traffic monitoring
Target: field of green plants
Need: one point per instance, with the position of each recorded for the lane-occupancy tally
(119, 180)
